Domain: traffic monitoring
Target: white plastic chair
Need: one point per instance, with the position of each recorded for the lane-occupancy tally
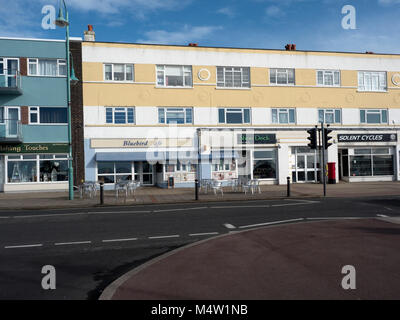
(217, 186)
(255, 186)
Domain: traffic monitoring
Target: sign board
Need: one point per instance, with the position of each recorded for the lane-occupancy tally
(369, 137)
(257, 138)
(34, 148)
(141, 143)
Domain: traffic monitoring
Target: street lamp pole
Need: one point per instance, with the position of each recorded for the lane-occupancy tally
(61, 22)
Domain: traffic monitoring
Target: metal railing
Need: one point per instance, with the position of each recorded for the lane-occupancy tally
(10, 81)
(10, 130)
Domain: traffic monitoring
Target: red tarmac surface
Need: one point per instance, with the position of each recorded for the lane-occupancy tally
(295, 261)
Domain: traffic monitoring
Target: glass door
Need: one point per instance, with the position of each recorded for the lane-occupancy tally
(12, 119)
(307, 166)
(12, 69)
(144, 173)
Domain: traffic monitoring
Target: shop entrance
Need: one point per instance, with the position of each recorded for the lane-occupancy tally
(307, 166)
(144, 173)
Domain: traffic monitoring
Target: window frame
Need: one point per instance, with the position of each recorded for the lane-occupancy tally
(125, 73)
(162, 68)
(324, 72)
(274, 159)
(234, 110)
(374, 111)
(163, 111)
(333, 111)
(279, 70)
(120, 109)
(224, 71)
(60, 62)
(280, 111)
(37, 112)
(371, 73)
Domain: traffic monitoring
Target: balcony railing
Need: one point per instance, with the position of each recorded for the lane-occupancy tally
(10, 131)
(10, 82)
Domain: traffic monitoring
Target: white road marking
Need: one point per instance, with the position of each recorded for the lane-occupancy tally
(72, 243)
(120, 240)
(179, 209)
(390, 209)
(229, 226)
(24, 246)
(203, 234)
(382, 216)
(338, 218)
(164, 237)
(270, 223)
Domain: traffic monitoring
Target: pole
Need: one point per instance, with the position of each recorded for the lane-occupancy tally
(70, 164)
(323, 158)
(196, 191)
(101, 193)
(288, 187)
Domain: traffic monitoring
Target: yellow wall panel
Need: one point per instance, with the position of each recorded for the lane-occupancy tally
(212, 72)
(92, 71)
(349, 78)
(145, 73)
(306, 77)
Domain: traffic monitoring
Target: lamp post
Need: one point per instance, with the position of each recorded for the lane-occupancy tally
(61, 22)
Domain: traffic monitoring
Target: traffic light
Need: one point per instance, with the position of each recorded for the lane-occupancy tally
(327, 138)
(313, 138)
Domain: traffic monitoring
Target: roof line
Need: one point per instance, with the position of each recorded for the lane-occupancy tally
(38, 39)
(242, 48)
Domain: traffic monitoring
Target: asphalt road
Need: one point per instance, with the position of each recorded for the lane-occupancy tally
(92, 248)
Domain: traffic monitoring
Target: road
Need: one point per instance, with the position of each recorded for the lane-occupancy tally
(90, 248)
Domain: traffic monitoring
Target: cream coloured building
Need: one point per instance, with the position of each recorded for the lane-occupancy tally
(151, 110)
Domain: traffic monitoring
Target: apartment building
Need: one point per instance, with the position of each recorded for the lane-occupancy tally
(152, 112)
(34, 143)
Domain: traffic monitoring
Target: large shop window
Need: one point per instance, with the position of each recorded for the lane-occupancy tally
(48, 115)
(120, 115)
(233, 77)
(47, 67)
(112, 172)
(119, 72)
(178, 166)
(282, 76)
(372, 81)
(174, 76)
(373, 116)
(37, 168)
(265, 164)
(329, 115)
(284, 116)
(175, 115)
(329, 78)
(371, 162)
(234, 115)
(224, 165)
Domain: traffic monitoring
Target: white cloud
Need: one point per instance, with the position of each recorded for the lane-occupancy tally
(274, 11)
(228, 11)
(186, 35)
(388, 2)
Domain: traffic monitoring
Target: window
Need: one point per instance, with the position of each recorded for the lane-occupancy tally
(377, 116)
(233, 77)
(175, 115)
(234, 115)
(120, 115)
(283, 116)
(37, 168)
(328, 78)
(282, 76)
(48, 115)
(1, 114)
(371, 162)
(329, 115)
(372, 81)
(112, 172)
(47, 67)
(174, 76)
(224, 165)
(264, 164)
(119, 72)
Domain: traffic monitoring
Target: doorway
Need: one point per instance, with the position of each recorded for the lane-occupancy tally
(144, 173)
(307, 166)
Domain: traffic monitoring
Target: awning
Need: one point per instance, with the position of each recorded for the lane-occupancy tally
(121, 156)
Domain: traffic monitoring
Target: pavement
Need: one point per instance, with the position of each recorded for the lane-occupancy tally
(152, 195)
(293, 261)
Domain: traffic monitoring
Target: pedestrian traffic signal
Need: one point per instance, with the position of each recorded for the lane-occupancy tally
(327, 138)
(313, 138)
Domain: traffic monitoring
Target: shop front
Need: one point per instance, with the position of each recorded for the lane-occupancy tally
(33, 167)
(367, 157)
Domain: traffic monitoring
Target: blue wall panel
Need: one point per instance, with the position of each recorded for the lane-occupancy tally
(32, 48)
(45, 134)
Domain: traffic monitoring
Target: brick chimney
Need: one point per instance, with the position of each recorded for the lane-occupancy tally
(290, 47)
(90, 35)
(193, 44)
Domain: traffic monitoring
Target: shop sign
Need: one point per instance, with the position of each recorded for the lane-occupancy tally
(35, 148)
(141, 143)
(370, 137)
(257, 138)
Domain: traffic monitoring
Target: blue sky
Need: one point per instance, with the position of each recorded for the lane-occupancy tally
(311, 24)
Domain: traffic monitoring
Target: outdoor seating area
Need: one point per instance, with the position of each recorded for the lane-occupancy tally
(124, 188)
(234, 185)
